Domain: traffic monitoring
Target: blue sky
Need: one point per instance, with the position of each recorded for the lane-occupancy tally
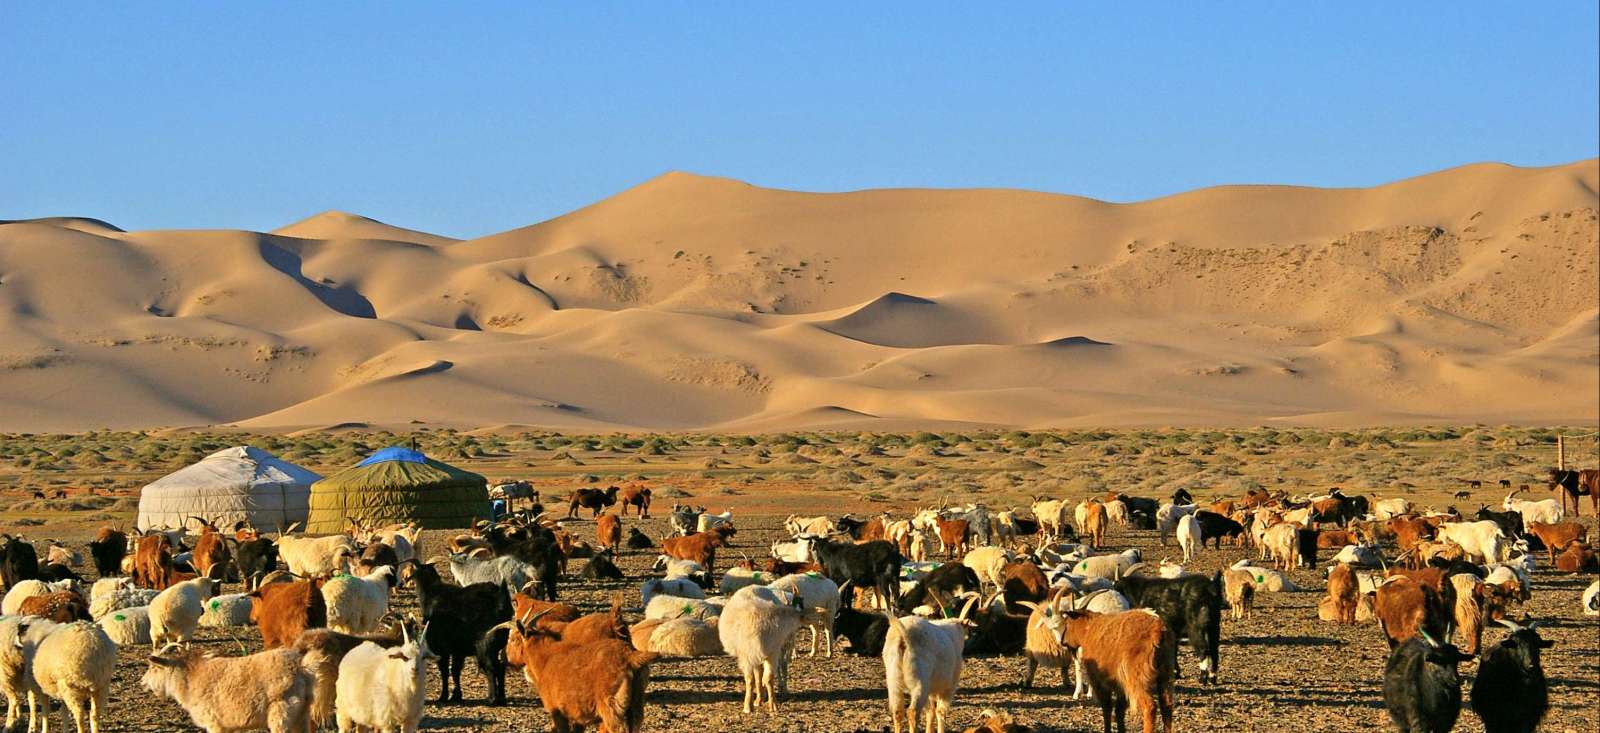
(470, 118)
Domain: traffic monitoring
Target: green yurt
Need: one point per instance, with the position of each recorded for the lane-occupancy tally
(398, 485)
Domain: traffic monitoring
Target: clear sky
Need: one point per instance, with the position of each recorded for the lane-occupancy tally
(470, 118)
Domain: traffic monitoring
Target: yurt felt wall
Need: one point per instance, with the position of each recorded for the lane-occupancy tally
(232, 485)
(398, 485)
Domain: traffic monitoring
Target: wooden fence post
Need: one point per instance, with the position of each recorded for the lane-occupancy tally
(1561, 452)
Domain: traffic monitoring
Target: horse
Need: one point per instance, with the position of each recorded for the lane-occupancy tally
(1575, 484)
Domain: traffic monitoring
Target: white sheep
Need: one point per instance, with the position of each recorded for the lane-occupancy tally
(127, 626)
(74, 664)
(1167, 517)
(270, 689)
(232, 609)
(357, 604)
(382, 689)
(19, 640)
(796, 550)
(175, 612)
(1189, 536)
(317, 557)
(989, 564)
(756, 629)
(1101, 601)
(668, 607)
(1108, 566)
(737, 577)
(686, 637)
(1363, 556)
(124, 598)
(1055, 553)
(107, 586)
(922, 667)
(1170, 570)
(1267, 580)
(821, 604)
(679, 587)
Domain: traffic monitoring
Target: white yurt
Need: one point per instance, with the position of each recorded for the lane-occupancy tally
(237, 484)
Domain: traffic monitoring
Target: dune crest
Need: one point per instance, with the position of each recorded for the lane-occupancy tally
(695, 302)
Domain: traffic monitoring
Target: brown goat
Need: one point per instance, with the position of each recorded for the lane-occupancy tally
(581, 684)
(284, 610)
(1408, 531)
(781, 568)
(1023, 581)
(152, 562)
(635, 496)
(1476, 604)
(526, 606)
(953, 536)
(61, 607)
(1578, 558)
(608, 531)
(874, 529)
(210, 550)
(1557, 536)
(1128, 660)
(1404, 607)
(595, 626)
(1345, 593)
(1334, 539)
(1094, 523)
(701, 547)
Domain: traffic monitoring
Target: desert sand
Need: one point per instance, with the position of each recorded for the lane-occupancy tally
(699, 303)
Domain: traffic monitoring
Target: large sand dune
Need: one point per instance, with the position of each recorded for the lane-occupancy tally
(688, 302)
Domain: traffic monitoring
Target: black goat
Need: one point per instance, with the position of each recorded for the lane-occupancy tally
(455, 618)
(637, 540)
(1181, 497)
(1509, 522)
(1191, 606)
(1510, 694)
(1214, 526)
(600, 567)
(107, 549)
(491, 653)
(1026, 526)
(874, 564)
(947, 581)
(996, 631)
(866, 630)
(1306, 542)
(1420, 686)
(52, 572)
(18, 561)
(255, 559)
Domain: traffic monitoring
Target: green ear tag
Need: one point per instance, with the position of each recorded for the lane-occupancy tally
(216, 605)
(688, 608)
(1260, 579)
(120, 617)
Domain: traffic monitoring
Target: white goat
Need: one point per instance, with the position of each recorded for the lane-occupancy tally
(1482, 540)
(756, 629)
(175, 612)
(1167, 517)
(922, 667)
(382, 689)
(821, 604)
(317, 557)
(1189, 536)
(357, 604)
(270, 689)
(707, 521)
(989, 564)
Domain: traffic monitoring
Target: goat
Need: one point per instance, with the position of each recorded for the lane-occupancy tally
(1189, 537)
(1405, 607)
(821, 605)
(608, 531)
(1190, 606)
(107, 549)
(684, 519)
(1344, 593)
(1421, 689)
(946, 581)
(638, 540)
(316, 557)
(602, 567)
(700, 547)
(382, 689)
(1510, 694)
(19, 561)
(952, 537)
(356, 604)
(1127, 658)
(176, 611)
(756, 629)
(268, 689)
(283, 610)
(1094, 523)
(454, 619)
(874, 564)
(581, 684)
(75, 664)
(1556, 537)
(922, 667)
(1023, 581)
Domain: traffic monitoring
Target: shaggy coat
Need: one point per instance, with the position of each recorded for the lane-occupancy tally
(269, 689)
(582, 684)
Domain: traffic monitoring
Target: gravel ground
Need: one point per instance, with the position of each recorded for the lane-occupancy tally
(1281, 669)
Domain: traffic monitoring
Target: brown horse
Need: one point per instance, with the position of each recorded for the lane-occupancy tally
(1575, 484)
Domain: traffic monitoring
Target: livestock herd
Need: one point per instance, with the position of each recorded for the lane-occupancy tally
(922, 592)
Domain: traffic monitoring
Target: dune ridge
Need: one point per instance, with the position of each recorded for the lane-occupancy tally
(699, 303)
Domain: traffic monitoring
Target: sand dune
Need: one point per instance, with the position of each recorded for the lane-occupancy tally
(691, 302)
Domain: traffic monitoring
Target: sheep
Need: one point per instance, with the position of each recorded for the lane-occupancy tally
(989, 564)
(127, 626)
(1365, 556)
(922, 667)
(678, 587)
(682, 637)
(1110, 567)
(74, 664)
(736, 577)
(672, 568)
(756, 628)
(19, 638)
(269, 689)
(357, 604)
(1509, 693)
(1420, 687)
(1127, 658)
(821, 604)
(582, 684)
(382, 689)
(1266, 580)
(175, 612)
(666, 607)
(316, 557)
(1189, 537)
(232, 609)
